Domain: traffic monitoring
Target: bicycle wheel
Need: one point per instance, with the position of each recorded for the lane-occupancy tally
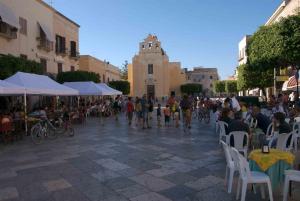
(59, 126)
(51, 133)
(36, 134)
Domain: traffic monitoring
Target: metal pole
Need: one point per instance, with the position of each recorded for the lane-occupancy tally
(25, 113)
(274, 81)
(297, 80)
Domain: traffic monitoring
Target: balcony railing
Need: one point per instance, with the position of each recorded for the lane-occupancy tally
(7, 31)
(61, 51)
(45, 44)
(74, 54)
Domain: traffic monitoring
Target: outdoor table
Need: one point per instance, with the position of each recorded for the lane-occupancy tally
(273, 164)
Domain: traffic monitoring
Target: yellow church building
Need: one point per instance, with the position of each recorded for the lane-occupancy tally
(152, 73)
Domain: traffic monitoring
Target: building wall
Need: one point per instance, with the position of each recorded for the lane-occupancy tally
(242, 57)
(35, 11)
(107, 72)
(167, 76)
(205, 77)
(286, 8)
(177, 77)
(70, 31)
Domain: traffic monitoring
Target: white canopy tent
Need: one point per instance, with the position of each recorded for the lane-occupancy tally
(40, 85)
(87, 88)
(110, 90)
(7, 88)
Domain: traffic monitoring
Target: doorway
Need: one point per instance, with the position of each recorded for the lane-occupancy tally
(151, 91)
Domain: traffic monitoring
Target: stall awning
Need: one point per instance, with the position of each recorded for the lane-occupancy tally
(87, 88)
(47, 32)
(8, 16)
(110, 90)
(7, 88)
(40, 85)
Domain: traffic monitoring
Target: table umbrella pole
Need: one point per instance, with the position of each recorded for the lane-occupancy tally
(25, 111)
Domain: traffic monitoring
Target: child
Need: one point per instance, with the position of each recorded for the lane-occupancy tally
(158, 114)
(167, 113)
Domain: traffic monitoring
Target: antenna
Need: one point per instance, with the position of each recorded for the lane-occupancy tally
(51, 3)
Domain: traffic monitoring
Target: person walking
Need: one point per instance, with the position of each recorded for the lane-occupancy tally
(145, 110)
(129, 110)
(167, 114)
(158, 115)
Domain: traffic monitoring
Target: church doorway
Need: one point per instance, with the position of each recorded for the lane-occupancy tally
(151, 91)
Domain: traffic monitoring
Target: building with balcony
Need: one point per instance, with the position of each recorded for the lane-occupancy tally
(152, 73)
(203, 76)
(106, 71)
(34, 30)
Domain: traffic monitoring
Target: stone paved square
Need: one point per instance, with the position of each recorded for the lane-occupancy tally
(114, 162)
(56, 185)
(8, 193)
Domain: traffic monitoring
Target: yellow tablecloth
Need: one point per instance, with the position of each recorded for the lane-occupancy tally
(265, 161)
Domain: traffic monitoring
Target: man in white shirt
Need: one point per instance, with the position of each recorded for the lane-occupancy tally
(235, 104)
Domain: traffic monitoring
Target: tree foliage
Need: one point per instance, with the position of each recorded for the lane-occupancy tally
(9, 65)
(219, 86)
(276, 45)
(120, 85)
(124, 71)
(265, 47)
(254, 77)
(231, 86)
(76, 76)
(289, 30)
(191, 88)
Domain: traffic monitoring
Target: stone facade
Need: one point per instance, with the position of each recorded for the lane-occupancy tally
(205, 77)
(107, 71)
(152, 73)
(30, 40)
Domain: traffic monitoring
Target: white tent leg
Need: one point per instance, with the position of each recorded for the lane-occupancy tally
(25, 115)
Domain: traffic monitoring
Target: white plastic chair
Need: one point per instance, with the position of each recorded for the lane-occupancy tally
(270, 130)
(250, 177)
(222, 131)
(290, 175)
(296, 129)
(297, 119)
(282, 139)
(231, 167)
(238, 137)
(253, 123)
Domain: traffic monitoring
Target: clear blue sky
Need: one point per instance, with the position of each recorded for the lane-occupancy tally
(194, 32)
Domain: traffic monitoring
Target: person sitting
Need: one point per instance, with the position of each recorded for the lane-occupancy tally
(238, 125)
(281, 126)
(262, 120)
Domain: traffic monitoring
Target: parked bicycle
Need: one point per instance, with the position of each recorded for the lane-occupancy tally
(41, 130)
(63, 126)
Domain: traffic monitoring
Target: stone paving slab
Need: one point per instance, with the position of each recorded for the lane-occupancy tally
(8, 193)
(113, 162)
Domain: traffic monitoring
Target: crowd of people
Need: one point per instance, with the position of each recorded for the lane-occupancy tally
(279, 115)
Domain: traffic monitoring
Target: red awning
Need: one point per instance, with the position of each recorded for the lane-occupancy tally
(292, 83)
